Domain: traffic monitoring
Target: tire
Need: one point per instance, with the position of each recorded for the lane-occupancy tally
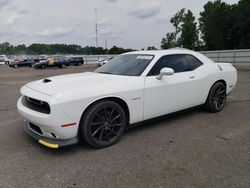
(15, 66)
(103, 124)
(216, 99)
(43, 67)
(62, 66)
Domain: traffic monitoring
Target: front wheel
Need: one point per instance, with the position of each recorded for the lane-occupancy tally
(216, 99)
(103, 124)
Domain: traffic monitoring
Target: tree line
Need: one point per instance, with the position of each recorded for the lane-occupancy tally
(37, 49)
(220, 27)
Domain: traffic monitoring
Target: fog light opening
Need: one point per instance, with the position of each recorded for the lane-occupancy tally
(53, 135)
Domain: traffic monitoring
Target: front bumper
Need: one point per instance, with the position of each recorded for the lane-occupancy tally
(54, 129)
(50, 124)
(49, 142)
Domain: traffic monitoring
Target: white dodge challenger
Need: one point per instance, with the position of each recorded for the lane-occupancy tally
(132, 87)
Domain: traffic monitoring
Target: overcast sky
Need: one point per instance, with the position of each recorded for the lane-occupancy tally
(126, 23)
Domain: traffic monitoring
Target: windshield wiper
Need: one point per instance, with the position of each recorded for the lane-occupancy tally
(105, 72)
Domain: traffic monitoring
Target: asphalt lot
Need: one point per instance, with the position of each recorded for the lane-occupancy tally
(194, 149)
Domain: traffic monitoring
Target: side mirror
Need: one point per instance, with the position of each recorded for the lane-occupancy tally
(165, 72)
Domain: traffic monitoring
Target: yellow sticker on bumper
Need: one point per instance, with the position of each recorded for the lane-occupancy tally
(48, 144)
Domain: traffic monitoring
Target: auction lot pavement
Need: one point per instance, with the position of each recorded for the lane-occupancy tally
(193, 149)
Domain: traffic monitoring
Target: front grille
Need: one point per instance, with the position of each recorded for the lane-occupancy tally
(35, 128)
(36, 105)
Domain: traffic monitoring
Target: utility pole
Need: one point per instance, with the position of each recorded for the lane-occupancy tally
(106, 45)
(96, 27)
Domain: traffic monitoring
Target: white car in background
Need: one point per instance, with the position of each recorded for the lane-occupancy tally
(132, 87)
(4, 60)
(101, 62)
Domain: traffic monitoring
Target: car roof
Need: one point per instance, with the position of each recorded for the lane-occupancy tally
(163, 52)
(172, 51)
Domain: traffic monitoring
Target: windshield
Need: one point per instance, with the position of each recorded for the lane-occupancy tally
(128, 64)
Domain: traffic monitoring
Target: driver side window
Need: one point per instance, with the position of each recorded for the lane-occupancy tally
(178, 62)
(170, 61)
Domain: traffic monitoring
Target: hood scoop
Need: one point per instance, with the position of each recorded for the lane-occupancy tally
(46, 80)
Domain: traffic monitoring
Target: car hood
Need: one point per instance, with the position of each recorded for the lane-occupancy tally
(67, 83)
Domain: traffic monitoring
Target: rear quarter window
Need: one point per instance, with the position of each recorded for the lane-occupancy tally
(192, 63)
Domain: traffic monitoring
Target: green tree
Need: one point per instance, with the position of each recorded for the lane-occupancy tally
(241, 24)
(118, 50)
(115, 50)
(6, 48)
(168, 41)
(176, 20)
(151, 48)
(189, 32)
(215, 25)
(171, 39)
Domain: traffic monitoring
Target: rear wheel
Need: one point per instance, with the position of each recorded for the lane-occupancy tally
(216, 99)
(43, 66)
(103, 124)
(62, 66)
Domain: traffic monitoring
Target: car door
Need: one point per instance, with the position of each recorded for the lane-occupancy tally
(172, 93)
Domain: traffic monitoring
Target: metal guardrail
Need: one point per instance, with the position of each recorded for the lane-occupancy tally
(229, 56)
(224, 56)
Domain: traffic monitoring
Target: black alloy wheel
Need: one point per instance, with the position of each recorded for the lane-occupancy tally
(217, 98)
(103, 124)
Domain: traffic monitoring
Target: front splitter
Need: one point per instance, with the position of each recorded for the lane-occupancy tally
(49, 142)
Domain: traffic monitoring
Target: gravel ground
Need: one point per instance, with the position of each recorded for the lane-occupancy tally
(191, 149)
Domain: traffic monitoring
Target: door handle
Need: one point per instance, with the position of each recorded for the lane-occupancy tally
(193, 76)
